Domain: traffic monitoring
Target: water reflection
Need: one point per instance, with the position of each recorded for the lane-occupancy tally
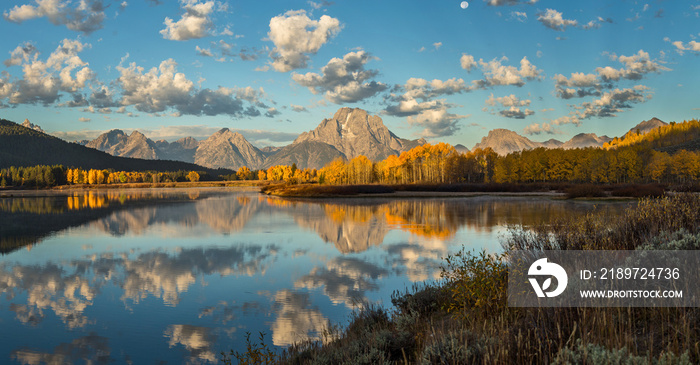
(90, 349)
(344, 280)
(297, 319)
(351, 225)
(69, 289)
(197, 340)
(28, 219)
(194, 270)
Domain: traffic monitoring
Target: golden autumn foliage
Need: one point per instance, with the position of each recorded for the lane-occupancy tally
(439, 163)
(193, 176)
(243, 173)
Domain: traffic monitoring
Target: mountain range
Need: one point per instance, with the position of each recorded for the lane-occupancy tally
(504, 141)
(348, 134)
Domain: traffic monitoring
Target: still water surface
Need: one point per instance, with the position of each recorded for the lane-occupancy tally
(177, 276)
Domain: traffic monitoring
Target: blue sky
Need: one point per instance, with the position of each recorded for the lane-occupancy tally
(274, 69)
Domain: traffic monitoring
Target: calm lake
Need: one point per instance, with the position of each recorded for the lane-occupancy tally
(179, 275)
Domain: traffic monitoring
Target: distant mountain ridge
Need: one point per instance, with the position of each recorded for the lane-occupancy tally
(505, 141)
(22, 146)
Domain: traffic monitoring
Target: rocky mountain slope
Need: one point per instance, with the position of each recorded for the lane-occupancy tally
(118, 143)
(227, 149)
(647, 125)
(350, 133)
(30, 125)
(504, 141)
(181, 150)
(583, 140)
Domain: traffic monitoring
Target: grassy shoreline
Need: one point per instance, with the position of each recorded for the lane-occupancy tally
(315, 190)
(562, 190)
(464, 318)
(178, 185)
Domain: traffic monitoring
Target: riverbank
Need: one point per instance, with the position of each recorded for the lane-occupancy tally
(464, 318)
(314, 190)
(253, 184)
(562, 190)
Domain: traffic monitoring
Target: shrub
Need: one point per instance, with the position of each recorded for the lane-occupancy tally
(639, 191)
(591, 354)
(678, 240)
(477, 281)
(585, 191)
(455, 347)
(422, 301)
(255, 353)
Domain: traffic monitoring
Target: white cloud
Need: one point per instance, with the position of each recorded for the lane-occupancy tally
(516, 113)
(681, 47)
(537, 128)
(206, 52)
(272, 112)
(507, 101)
(635, 67)
(467, 62)
(295, 36)
(162, 88)
(195, 22)
(299, 108)
(497, 74)
(513, 104)
(553, 19)
(437, 122)
(418, 103)
(613, 102)
(437, 45)
(520, 16)
(83, 119)
(609, 104)
(579, 85)
(343, 80)
(45, 81)
(86, 17)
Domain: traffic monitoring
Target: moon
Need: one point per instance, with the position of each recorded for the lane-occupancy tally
(464, 4)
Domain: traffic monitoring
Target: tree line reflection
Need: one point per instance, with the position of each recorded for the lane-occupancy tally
(351, 225)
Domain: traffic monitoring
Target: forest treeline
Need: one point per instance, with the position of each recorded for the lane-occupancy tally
(42, 176)
(634, 158)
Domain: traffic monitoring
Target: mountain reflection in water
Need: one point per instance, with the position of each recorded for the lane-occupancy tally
(180, 275)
